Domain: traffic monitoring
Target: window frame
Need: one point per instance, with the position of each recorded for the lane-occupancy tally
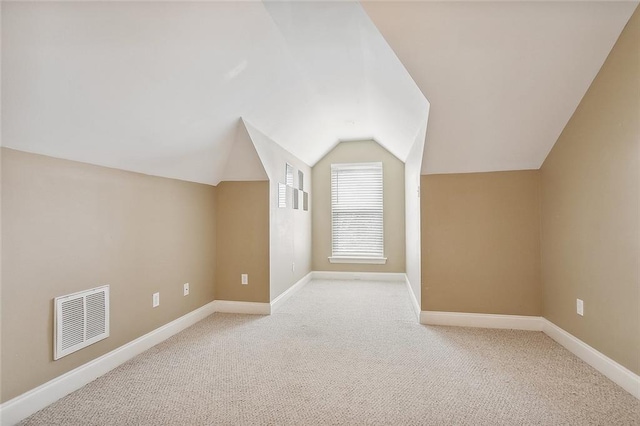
(362, 258)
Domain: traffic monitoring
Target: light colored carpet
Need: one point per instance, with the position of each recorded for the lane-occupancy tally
(347, 352)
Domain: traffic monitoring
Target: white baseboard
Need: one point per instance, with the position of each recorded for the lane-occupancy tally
(278, 301)
(620, 375)
(233, 307)
(21, 407)
(459, 319)
(365, 276)
(414, 300)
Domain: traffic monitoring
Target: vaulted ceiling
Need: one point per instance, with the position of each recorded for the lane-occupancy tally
(503, 78)
(160, 87)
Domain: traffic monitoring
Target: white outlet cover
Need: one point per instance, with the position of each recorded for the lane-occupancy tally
(580, 307)
(244, 279)
(185, 289)
(156, 300)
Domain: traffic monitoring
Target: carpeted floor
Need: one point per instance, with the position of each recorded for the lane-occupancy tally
(347, 352)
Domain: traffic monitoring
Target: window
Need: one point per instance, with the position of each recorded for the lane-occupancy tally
(356, 213)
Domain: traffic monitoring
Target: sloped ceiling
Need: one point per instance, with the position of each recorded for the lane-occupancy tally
(244, 163)
(159, 87)
(503, 78)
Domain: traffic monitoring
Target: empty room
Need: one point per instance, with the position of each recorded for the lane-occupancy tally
(320, 212)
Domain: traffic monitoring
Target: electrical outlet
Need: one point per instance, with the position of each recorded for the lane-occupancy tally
(185, 289)
(156, 300)
(244, 279)
(293, 267)
(580, 307)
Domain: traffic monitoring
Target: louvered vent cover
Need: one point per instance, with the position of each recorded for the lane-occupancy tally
(81, 319)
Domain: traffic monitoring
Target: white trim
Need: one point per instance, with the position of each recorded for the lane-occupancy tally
(360, 260)
(58, 350)
(620, 375)
(278, 301)
(414, 300)
(233, 307)
(365, 276)
(346, 200)
(21, 407)
(460, 319)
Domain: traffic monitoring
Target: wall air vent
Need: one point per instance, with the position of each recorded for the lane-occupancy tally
(80, 319)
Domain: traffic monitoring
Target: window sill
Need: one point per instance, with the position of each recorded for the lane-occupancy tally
(367, 260)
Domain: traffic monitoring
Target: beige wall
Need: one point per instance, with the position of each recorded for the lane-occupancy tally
(242, 241)
(289, 229)
(590, 197)
(480, 243)
(394, 206)
(69, 226)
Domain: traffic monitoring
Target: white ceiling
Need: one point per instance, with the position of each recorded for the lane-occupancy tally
(159, 87)
(503, 78)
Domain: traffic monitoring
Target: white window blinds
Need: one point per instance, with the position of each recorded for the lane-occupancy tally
(356, 210)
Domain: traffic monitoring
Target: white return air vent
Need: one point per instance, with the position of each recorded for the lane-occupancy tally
(80, 319)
